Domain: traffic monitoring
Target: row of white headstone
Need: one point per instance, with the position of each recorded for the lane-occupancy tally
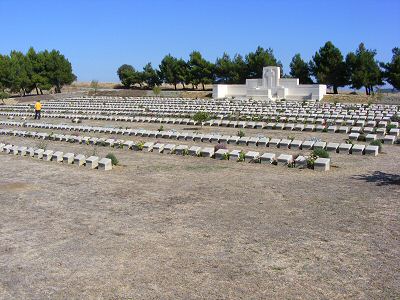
(92, 162)
(292, 144)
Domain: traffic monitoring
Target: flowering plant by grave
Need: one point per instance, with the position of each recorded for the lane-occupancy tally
(241, 157)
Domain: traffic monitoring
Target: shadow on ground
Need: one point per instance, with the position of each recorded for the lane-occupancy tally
(380, 178)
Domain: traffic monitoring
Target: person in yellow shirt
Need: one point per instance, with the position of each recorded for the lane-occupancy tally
(38, 108)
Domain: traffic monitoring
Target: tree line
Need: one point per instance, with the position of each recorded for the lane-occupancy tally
(39, 71)
(358, 69)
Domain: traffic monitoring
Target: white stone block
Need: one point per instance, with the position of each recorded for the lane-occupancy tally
(334, 147)
(57, 156)
(300, 162)
(194, 151)
(307, 145)
(30, 152)
(47, 155)
(181, 149)
(358, 149)
(92, 162)
(319, 145)
(159, 147)
(79, 160)
(68, 158)
(169, 148)
(207, 152)
(372, 150)
(322, 164)
(148, 146)
(267, 158)
(285, 159)
(14, 150)
(354, 136)
(221, 154)
(21, 150)
(263, 142)
(296, 144)
(105, 164)
(389, 139)
(274, 142)
(234, 155)
(285, 143)
(39, 153)
(345, 148)
(251, 156)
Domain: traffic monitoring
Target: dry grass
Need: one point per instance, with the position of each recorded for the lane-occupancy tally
(162, 226)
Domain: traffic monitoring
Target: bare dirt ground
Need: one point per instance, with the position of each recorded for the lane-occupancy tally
(163, 226)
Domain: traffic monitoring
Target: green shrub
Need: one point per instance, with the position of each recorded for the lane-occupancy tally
(390, 126)
(201, 117)
(395, 118)
(226, 156)
(139, 145)
(321, 153)
(114, 160)
(362, 137)
(377, 143)
(161, 128)
(156, 90)
(241, 133)
(241, 156)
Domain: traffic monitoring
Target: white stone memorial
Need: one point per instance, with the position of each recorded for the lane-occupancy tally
(271, 86)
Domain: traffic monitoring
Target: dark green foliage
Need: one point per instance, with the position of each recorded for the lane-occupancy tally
(377, 143)
(201, 71)
(395, 118)
(363, 69)
(241, 133)
(362, 137)
(300, 69)
(201, 116)
(392, 69)
(328, 67)
(151, 76)
(129, 76)
(321, 153)
(114, 160)
(390, 126)
(257, 60)
(43, 70)
(170, 70)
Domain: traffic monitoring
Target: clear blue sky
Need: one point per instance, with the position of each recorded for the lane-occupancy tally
(99, 36)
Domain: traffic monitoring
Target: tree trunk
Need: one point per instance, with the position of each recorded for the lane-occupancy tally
(37, 91)
(41, 92)
(335, 90)
(203, 86)
(366, 90)
(183, 84)
(175, 86)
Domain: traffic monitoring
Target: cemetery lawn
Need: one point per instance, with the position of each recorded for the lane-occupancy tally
(162, 226)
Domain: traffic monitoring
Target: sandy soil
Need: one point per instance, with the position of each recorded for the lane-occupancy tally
(163, 226)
